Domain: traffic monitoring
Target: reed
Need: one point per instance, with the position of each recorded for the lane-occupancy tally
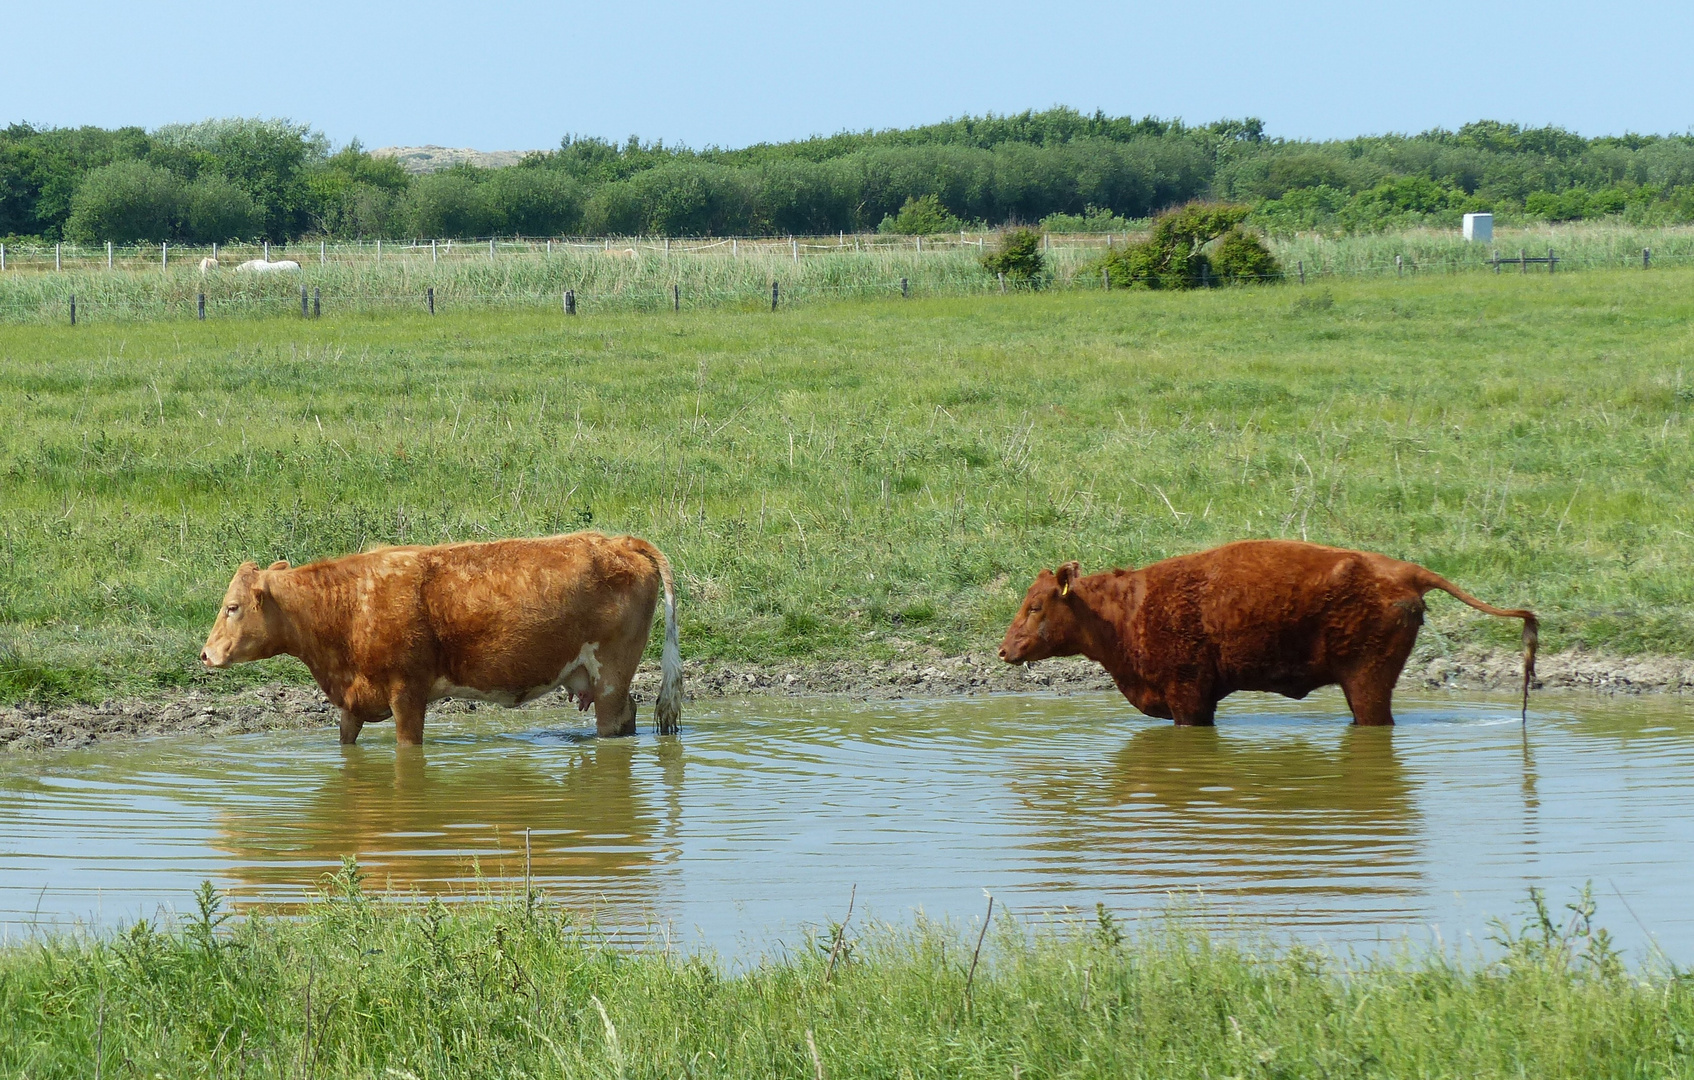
(632, 275)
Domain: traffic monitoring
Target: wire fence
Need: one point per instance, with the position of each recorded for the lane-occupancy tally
(48, 283)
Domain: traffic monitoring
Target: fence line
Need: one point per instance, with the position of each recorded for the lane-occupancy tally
(674, 297)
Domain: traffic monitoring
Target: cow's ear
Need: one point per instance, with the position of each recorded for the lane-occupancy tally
(1067, 575)
(280, 564)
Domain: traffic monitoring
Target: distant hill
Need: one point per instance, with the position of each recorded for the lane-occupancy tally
(422, 160)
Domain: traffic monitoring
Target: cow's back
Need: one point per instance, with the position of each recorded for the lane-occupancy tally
(1275, 615)
(508, 613)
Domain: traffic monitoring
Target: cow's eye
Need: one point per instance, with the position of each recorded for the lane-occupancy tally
(233, 610)
(1035, 609)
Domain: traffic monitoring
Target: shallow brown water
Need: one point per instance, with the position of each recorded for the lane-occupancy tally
(764, 813)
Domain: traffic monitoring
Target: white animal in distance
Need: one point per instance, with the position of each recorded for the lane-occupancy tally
(260, 266)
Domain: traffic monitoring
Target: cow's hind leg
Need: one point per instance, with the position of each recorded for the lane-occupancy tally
(1370, 694)
(614, 713)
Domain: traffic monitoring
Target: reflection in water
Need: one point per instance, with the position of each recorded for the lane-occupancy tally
(1329, 814)
(413, 823)
(768, 813)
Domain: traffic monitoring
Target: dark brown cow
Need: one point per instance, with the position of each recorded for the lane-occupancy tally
(1279, 615)
(388, 631)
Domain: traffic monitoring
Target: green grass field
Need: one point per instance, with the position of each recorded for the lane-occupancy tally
(856, 479)
(362, 987)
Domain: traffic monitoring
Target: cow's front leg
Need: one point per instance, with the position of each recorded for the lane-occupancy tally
(408, 716)
(350, 727)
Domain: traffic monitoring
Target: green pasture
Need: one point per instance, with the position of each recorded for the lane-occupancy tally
(862, 478)
(357, 986)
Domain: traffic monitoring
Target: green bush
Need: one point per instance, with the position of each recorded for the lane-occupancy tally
(1091, 220)
(450, 203)
(124, 202)
(1174, 256)
(921, 217)
(1018, 256)
(1240, 257)
(215, 210)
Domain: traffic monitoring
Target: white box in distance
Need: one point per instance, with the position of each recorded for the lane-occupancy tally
(1479, 227)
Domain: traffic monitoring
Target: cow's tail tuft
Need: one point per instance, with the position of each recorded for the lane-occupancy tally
(1531, 625)
(667, 710)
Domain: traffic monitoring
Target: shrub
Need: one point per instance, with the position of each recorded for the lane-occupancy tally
(1174, 257)
(534, 202)
(1091, 220)
(921, 217)
(215, 210)
(124, 202)
(450, 203)
(1017, 255)
(1240, 257)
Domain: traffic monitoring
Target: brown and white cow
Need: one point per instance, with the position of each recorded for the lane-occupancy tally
(1278, 615)
(390, 630)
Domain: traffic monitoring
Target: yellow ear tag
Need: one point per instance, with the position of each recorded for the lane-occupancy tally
(1065, 589)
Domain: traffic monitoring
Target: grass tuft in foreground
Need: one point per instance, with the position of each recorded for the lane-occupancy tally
(362, 986)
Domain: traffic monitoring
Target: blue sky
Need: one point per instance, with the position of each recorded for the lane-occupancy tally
(518, 75)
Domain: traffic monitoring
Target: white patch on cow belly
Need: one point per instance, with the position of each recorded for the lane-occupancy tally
(576, 676)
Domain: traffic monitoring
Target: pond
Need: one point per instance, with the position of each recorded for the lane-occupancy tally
(764, 815)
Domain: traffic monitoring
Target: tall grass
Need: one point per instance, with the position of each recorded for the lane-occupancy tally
(640, 275)
(863, 479)
(376, 987)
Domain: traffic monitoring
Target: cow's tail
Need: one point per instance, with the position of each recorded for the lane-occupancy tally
(1531, 625)
(667, 710)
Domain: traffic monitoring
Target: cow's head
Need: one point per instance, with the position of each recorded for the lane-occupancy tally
(247, 627)
(1046, 623)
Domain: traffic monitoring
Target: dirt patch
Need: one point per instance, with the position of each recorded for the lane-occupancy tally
(277, 707)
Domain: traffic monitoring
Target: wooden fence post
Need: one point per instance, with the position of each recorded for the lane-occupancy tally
(773, 295)
(1552, 261)
(549, 249)
(1302, 265)
(164, 256)
(667, 247)
(305, 311)
(905, 289)
(1399, 267)
(214, 250)
(735, 248)
(56, 264)
(1106, 279)
(570, 301)
(433, 258)
(73, 309)
(1001, 274)
(1646, 258)
(491, 247)
(267, 251)
(379, 251)
(794, 246)
(1496, 260)
(109, 253)
(202, 307)
(429, 298)
(322, 254)
(676, 298)
(317, 303)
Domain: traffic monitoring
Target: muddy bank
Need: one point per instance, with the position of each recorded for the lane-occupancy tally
(37, 727)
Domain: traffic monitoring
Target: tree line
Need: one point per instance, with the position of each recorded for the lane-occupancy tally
(226, 179)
